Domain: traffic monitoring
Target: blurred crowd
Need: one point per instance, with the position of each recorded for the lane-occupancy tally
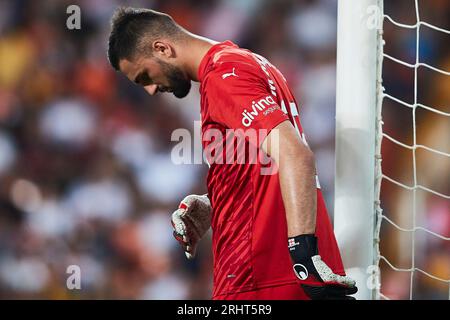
(86, 176)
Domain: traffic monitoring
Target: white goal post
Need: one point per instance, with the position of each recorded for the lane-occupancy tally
(359, 45)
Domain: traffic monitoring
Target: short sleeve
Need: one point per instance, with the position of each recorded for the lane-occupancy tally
(239, 97)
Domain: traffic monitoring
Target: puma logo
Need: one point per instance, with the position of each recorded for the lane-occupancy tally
(226, 75)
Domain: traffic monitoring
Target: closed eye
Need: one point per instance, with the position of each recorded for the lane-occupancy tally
(143, 79)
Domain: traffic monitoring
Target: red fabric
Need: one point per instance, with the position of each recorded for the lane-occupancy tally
(249, 222)
(285, 292)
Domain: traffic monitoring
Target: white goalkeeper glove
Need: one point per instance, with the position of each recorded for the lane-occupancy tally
(191, 221)
(316, 278)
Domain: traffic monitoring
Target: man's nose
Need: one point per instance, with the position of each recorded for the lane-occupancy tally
(151, 89)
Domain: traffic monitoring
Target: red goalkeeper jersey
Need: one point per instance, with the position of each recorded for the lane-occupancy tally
(242, 90)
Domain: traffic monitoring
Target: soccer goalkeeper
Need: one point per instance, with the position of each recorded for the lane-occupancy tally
(272, 237)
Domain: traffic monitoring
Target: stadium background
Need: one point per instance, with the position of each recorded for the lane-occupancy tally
(85, 171)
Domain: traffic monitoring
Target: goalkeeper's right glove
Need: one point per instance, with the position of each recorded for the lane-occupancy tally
(316, 278)
(191, 221)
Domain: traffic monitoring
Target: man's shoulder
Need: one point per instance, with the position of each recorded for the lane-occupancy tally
(232, 63)
(227, 56)
(232, 54)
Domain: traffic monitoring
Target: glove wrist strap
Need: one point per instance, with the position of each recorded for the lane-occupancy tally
(302, 247)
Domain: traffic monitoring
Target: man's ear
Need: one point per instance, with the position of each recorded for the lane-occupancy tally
(163, 49)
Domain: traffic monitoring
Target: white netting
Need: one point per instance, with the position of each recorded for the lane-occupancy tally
(382, 219)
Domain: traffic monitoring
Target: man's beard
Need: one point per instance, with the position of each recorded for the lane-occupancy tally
(178, 84)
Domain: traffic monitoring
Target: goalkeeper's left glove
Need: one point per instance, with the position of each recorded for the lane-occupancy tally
(316, 277)
(191, 221)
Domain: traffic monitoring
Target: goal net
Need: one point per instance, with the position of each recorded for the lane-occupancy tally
(413, 139)
(393, 114)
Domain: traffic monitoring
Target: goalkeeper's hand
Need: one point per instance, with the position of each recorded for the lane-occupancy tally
(191, 221)
(316, 278)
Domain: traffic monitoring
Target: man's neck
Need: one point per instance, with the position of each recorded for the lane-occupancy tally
(195, 49)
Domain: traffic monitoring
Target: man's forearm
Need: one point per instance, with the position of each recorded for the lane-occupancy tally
(297, 178)
(298, 189)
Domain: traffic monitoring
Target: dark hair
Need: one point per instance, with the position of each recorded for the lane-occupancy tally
(132, 29)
